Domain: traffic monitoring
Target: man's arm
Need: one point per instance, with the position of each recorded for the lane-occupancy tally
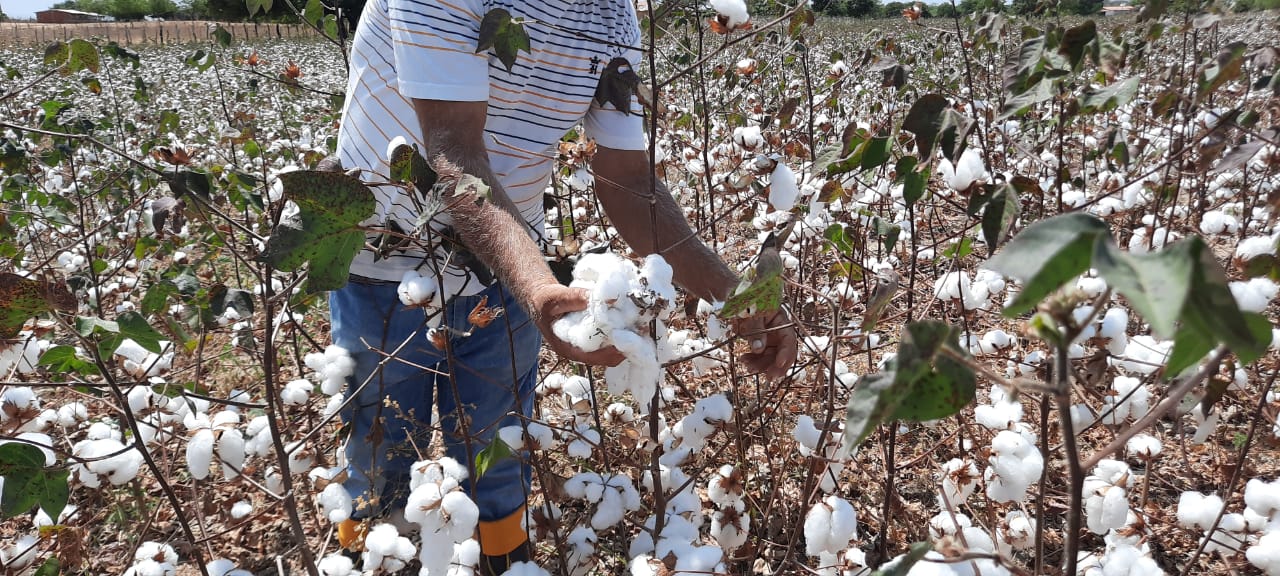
(493, 229)
(652, 223)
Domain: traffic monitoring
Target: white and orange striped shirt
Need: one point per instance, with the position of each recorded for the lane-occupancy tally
(426, 49)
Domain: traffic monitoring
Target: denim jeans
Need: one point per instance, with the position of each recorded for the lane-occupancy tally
(396, 386)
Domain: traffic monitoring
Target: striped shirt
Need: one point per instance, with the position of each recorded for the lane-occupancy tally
(426, 49)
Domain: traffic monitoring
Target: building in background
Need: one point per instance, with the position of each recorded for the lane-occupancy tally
(63, 16)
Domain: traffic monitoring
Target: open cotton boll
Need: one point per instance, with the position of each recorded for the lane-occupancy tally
(1263, 497)
(333, 366)
(959, 479)
(386, 549)
(200, 453)
(1255, 294)
(21, 553)
(1001, 414)
(241, 509)
(967, 170)
(296, 392)
(747, 137)
(1255, 246)
(1265, 555)
(336, 502)
(525, 569)
(1143, 355)
(416, 290)
(1114, 325)
(336, 564)
(1218, 222)
(1144, 446)
(1015, 464)
(231, 452)
(829, 526)
(807, 434)
(734, 12)
(783, 189)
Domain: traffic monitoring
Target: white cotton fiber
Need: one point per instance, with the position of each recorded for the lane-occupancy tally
(1196, 510)
(336, 502)
(1255, 294)
(783, 189)
(734, 11)
(419, 291)
(1015, 464)
(296, 392)
(200, 453)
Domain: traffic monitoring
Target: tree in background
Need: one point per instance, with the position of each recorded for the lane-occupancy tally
(854, 8)
(123, 9)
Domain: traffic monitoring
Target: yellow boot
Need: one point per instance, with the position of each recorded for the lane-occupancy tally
(351, 534)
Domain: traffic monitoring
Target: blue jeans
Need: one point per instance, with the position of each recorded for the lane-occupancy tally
(390, 415)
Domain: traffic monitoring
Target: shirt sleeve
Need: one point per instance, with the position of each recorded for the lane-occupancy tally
(434, 42)
(611, 127)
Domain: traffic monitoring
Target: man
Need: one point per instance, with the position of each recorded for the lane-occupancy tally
(415, 74)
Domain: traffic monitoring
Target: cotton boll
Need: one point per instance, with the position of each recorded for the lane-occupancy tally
(462, 514)
(296, 392)
(200, 453)
(1255, 294)
(416, 290)
(1144, 446)
(1262, 497)
(829, 526)
(241, 509)
(959, 479)
(21, 553)
(1019, 530)
(231, 453)
(806, 434)
(333, 366)
(783, 189)
(733, 11)
(336, 564)
(526, 569)
(336, 502)
(1265, 555)
(1015, 464)
(1255, 246)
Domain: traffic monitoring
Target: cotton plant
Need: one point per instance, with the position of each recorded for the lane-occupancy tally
(612, 495)
(829, 527)
(444, 512)
(1262, 499)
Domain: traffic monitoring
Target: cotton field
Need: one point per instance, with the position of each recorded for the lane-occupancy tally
(1032, 265)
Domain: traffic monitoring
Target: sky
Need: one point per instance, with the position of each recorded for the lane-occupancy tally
(24, 9)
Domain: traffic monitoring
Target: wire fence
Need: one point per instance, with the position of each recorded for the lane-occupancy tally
(135, 33)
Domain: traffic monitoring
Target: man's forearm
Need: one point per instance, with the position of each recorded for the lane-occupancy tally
(491, 228)
(658, 226)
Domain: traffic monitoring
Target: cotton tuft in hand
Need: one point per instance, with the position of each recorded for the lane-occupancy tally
(622, 301)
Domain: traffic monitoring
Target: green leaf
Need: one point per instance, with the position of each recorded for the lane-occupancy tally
(1046, 255)
(914, 183)
(959, 249)
(839, 238)
(495, 452)
(22, 298)
(925, 120)
(27, 483)
(887, 231)
(255, 5)
(908, 561)
(1211, 297)
(764, 293)
(1109, 98)
(875, 152)
(222, 36)
(1022, 103)
(1155, 284)
(313, 12)
(1226, 67)
(135, 327)
(408, 166)
(1075, 40)
(924, 383)
(1001, 211)
(200, 60)
(64, 360)
(505, 35)
(325, 233)
(51, 567)
(72, 56)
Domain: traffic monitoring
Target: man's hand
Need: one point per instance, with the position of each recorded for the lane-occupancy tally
(773, 342)
(549, 303)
